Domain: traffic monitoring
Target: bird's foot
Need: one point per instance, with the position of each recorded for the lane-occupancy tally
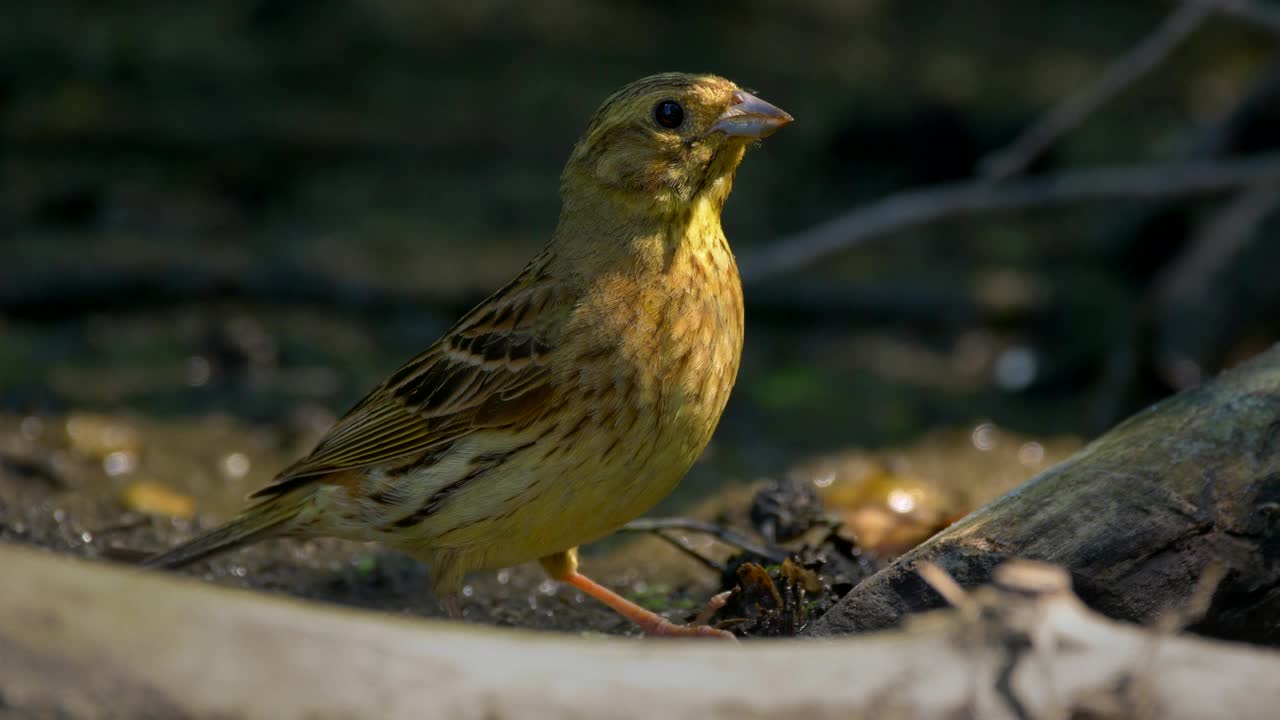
(653, 624)
(662, 627)
(452, 605)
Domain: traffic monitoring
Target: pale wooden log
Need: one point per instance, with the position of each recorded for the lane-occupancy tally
(90, 640)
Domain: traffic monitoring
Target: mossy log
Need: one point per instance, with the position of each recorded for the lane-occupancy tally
(1136, 517)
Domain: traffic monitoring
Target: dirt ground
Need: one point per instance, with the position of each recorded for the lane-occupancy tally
(114, 488)
(71, 485)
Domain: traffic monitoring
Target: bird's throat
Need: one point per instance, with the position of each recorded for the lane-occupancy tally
(600, 234)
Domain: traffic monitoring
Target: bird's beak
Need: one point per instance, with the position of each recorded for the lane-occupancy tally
(750, 117)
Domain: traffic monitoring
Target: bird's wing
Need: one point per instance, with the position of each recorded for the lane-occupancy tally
(489, 371)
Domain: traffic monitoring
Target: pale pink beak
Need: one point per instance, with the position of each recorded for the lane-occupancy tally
(750, 117)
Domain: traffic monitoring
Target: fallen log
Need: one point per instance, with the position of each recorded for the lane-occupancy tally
(1136, 517)
(81, 639)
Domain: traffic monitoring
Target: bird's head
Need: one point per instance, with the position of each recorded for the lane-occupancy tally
(659, 143)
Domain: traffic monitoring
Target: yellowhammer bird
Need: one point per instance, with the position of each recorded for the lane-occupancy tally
(574, 398)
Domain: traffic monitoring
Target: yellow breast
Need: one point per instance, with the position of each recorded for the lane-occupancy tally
(645, 364)
(666, 344)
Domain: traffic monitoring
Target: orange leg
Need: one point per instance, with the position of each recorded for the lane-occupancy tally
(564, 567)
(452, 605)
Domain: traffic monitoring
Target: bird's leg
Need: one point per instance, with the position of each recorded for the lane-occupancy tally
(452, 604)
(650, 622)
(446, 580)
(563, 566)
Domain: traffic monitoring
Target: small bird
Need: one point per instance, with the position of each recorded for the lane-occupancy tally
(573, 399)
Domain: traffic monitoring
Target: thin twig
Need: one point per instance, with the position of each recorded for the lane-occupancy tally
(1197, 603)
(712, 607)
(1140, 688)
(683, 546)
(1190, 277)
(914, 209)
(971, 635)
(1072, 112)
(943, 584)
(724, 535)
(1193, 280)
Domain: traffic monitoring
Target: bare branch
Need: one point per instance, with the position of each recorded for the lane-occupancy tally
(1148, 54)
(1072, 112)
(1263, 15)
(914, 209)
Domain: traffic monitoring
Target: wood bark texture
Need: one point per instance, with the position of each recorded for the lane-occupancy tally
(1136, 517)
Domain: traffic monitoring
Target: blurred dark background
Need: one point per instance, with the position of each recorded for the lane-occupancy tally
(258, 208)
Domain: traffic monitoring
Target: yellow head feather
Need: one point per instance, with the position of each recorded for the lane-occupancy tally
(629, 158)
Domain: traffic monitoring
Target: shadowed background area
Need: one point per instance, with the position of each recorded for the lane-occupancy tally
(246, 213)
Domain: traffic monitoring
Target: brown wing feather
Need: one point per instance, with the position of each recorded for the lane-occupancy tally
(489, 371)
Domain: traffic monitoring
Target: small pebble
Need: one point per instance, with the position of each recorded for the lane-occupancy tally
(236, 465)
(32, 427)
(119, 462)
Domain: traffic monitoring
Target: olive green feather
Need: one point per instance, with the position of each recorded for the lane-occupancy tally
(271, 517)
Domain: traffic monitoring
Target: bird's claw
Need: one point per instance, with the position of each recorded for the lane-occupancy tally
(666, 628)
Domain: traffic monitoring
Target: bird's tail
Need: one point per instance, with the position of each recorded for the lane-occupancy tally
(266, 519)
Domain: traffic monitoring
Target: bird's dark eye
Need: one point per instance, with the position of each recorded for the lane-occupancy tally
(669, 114)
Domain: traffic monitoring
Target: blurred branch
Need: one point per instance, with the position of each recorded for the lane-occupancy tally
(1144, 57)
(1186, 282)
(1121, 388)
(1189, 282)
(1190, 277)
(1263, 15)
(1229, 133)
(64, 292)
(1072, 112)
(57, 293)
(913, 209)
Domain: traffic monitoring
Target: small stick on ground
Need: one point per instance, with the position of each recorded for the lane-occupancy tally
(681, 545)
(722, 534)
